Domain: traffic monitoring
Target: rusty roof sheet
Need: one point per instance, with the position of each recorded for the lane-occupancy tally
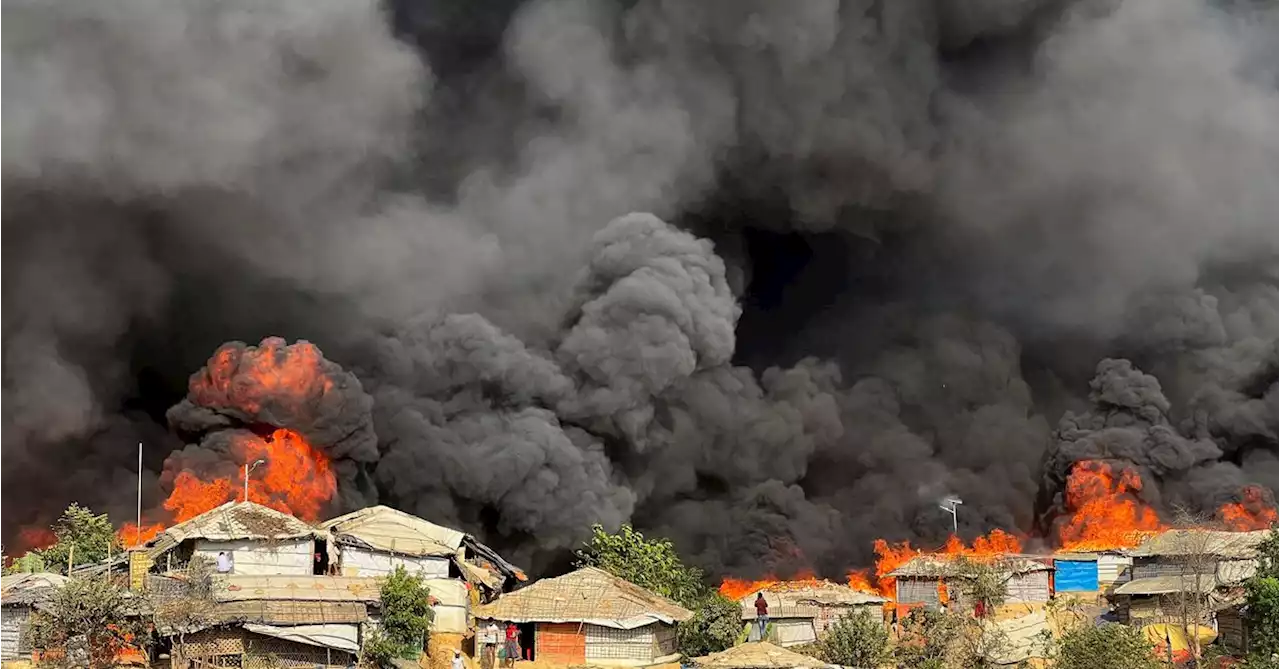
(938, 565)
(588, 595)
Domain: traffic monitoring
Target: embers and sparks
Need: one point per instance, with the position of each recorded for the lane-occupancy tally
(296, 478)
(1106, 512)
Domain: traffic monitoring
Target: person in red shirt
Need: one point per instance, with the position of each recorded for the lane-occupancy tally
(762, 614)
(513, 645)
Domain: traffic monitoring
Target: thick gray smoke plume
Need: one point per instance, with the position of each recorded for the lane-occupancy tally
(886, 245)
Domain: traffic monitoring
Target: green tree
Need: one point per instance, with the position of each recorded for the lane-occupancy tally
(27, 564)
(715, 625)
(83, 538)
(928, 640)
(652, 564)
(406, 617)
(1109, 646)
(93, 609)
(856, 640)
(1261, 617)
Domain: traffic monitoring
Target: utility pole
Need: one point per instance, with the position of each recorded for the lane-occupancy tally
(137, 529)
(248, 468)
(949, 505)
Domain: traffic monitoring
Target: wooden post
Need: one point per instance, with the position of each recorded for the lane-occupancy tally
(71, 554)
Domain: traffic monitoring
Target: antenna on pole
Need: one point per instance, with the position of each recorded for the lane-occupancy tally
(949, 505)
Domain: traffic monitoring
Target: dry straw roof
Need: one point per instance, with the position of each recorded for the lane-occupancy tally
(588, 595)
(758, 655)
(1162, 585)
(1228, 545)
(806, 599)
(386, 529)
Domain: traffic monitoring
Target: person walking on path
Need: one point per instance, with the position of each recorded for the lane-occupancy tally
(762, 614)
(513, 645)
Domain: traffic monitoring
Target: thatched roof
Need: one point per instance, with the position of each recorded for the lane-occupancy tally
(806, 599)
(242, 587)
(231, 522)
(1192, 542)
(588, 595)
(29, 588)
(757, 655)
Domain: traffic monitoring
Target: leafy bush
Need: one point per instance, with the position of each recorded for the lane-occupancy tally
(83, 538)
(406, 618)
(857, 640)
(92, 609)
(1261, 616)
(1110, 646)
(715, 625)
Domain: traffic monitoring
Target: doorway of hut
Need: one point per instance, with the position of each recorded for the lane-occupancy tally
(527, 642)
(320, 565)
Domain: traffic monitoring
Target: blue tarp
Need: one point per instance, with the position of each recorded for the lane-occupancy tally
(1073, 576)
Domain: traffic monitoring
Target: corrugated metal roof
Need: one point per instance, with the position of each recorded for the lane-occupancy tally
(238, 587)
(1230, 545)
(1160, 585)
(588, 595)
(805, 599)
(386, 529)
(757, 655)
(230, 522)
(937, 565)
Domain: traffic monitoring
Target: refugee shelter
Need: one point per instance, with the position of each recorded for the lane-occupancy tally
(1090, 572)
(590, 616)
(374, 541)
(801, 612)
(265, 621)
(258, 540)
(1192, 572)
(20, 594)
(933, 580)
(756, 655)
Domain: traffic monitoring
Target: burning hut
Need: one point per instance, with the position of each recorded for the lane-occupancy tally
(590, 616)
(934, 580)
(801, 612)
(20, 594)
(257, 540)
(1191, 573)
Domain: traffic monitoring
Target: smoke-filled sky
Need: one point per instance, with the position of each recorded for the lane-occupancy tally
(767, 278)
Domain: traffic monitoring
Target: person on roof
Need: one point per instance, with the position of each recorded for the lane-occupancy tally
(762, 614)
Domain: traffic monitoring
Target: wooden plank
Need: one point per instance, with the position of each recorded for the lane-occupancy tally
(560, 643)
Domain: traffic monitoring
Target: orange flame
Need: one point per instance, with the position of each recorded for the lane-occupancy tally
(1253, 512)
(297, 479)
(735, 588)
(1105, 510)
(890, 556)
(247, 378)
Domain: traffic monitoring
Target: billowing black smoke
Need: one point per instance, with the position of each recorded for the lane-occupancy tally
(887, 246)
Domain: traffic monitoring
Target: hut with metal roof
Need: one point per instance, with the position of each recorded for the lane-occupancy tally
(590, 617)
(801, 612)
(20, 594)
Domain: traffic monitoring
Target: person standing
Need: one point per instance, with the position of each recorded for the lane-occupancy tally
(489, 636)
(224, 563)
(457, 662)
(762, 614)
(512, 649)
